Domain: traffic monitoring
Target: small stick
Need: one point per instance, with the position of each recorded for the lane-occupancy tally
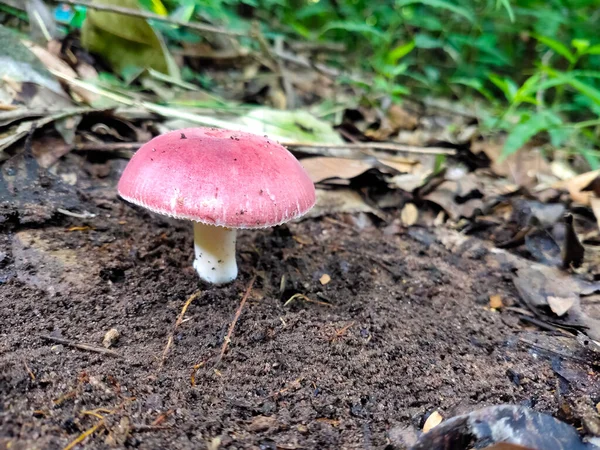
(306, 299)
(149, 15)
(87, 347)
(114, 146)
(84, 435)
(31, 374)
(177, 323)
(376, 146)
(235, 319)
(106, 146)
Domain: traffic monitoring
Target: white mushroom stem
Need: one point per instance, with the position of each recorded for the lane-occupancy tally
(215, 253)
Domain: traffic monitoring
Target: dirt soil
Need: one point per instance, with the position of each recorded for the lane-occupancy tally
(403, 328)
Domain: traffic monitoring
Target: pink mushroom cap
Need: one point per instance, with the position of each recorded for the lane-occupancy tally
(218, 177)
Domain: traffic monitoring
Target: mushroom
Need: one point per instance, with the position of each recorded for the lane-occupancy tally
(222, 181)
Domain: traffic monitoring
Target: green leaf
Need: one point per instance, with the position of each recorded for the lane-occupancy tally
(423, 40)
(581, 45)
(354, 27)
(124, 41)
(593, 50)
(156, 6)
(591, 156)
(400, 52)
(459, 10)
(557, 46)
(507, 7)
(476, 84)
(506, 85)
(524, 131)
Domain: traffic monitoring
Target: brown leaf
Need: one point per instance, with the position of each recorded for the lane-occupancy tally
(560, 305)
(324, 168)
(53, 62)
(576, 186)
(340, 201)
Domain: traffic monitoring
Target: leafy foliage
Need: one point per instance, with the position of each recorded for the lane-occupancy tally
(534, 63)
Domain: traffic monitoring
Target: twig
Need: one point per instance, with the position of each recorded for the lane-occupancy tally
(376, 146)
(235, 319)
(177, 323)
(106, 146)
(31, 374)
(84, 435)
(114, 146)
(149, 15)
(306, 299)
(87, 347)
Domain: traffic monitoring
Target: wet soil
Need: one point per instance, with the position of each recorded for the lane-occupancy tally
(403, 328)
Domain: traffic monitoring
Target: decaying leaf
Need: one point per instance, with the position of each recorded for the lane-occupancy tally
(560, 305)
(536, 283)
(125, 41)
(576, 186)
(53, 62)
(595, 204)
(333, 201)
(24, 79)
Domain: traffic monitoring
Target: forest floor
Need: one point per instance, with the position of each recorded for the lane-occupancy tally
(402, 329)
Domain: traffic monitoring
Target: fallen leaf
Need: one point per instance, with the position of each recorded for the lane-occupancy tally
(409, 215)
(325, 168)
(290, 126)
(325, 279)
(496, 302)
(536, 283)
(560, 305)
(434, 419)
(595, 204)
(331, 201)
(24, 79)
(576, 186)
(125, 41)
(53, 62)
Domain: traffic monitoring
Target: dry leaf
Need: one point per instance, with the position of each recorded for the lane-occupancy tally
(325, 279)
(340, 201)
(409, 214)
(496, 302)
(575, 186)
(54, 63)
(595, 204)
(560, 305)
(434, 419)
(325, 168)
